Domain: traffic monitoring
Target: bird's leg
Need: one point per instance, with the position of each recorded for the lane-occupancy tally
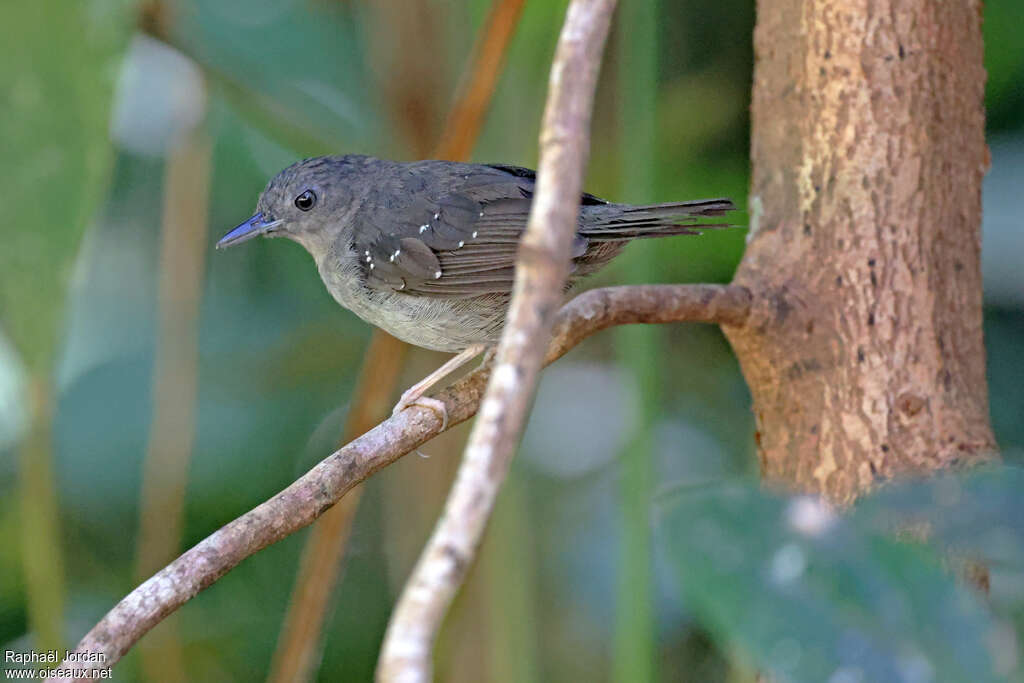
(414, 394)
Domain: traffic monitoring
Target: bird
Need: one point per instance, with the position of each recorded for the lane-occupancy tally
(426, 250)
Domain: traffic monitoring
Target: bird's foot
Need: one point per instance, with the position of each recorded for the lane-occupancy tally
(414, 396)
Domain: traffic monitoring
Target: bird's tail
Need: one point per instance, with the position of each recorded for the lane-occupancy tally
(614, 222)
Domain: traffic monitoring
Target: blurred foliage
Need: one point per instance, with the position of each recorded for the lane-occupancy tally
(979, 515)
(640, 347)
(1004, 61)
(298, 68)
(56, 154)
(278, 359)
(811, 596)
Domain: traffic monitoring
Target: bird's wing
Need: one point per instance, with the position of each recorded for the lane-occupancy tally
(458, 243)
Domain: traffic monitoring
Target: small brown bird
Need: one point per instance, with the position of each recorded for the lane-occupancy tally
(426, 250)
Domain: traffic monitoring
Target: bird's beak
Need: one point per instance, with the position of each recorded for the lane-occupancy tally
(254, 227)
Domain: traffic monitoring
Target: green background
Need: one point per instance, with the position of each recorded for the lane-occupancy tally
(597, 566)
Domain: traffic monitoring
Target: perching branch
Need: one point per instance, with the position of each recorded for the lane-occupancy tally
(308, 497)
(542, 267)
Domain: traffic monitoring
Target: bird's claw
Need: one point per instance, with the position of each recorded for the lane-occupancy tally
(411, 398)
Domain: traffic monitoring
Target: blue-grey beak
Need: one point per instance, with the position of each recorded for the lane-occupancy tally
(254, 227)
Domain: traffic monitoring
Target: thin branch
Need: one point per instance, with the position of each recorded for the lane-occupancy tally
(308, 497)
(541, 271)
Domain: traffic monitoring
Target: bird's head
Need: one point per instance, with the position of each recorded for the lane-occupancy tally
(305, 202)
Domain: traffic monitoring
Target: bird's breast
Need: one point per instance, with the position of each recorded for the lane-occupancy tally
(430, 322)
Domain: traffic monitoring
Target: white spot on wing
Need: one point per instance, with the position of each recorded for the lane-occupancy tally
(437, 275)
(423, 228)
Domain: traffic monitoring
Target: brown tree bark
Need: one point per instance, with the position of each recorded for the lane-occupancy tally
(864, 350)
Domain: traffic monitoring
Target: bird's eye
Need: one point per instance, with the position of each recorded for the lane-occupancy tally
(306, 200)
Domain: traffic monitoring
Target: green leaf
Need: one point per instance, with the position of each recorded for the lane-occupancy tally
(297, 70)
(810, 597)
(978, 515)
(60, 60)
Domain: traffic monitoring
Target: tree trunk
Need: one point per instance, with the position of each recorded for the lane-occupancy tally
(864, 349)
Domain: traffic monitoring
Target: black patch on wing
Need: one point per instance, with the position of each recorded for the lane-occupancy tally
(443, 248)
(469, 236)
(586, 199)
